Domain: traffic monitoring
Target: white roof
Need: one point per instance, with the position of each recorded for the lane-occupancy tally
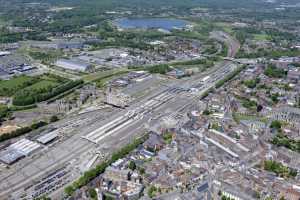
(78, 65)
(4, 53)
(25, 146)
(48, 137)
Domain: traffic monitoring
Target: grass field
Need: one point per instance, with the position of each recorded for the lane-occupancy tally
(238, 117)
(261, 37)
(42, 84)
(17, 82)
(104, 74)
(225, 26)
(12, 86)
(2, 22)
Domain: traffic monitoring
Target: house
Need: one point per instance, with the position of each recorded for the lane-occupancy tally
(155, 142)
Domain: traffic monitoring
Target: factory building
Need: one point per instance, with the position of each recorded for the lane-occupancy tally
(75, 65)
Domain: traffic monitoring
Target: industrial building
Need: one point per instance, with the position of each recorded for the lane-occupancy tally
(58, 44)
(10, 156)
(18, 150)
(75, 65)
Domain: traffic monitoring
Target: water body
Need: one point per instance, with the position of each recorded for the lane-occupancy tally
(147, 23)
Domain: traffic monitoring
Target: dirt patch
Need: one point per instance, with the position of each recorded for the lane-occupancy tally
(8, 129)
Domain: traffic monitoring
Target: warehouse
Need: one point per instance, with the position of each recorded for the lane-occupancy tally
(75, 65)
(10, 156)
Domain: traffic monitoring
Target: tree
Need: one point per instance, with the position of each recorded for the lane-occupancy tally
(276, 125)
(93, 193)
(282, 198)
(132, 165)
(259, 108)
(69, 190)
(142, 170)
(54, 118)
(151, 191)
(206, 112)
(274, 72)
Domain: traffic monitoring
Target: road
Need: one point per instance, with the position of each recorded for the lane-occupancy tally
(115, 131)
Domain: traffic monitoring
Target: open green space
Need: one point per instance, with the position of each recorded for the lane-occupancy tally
(45, 56)
(281, 140)
(238, 117)
(42, 85)
(104, 74)
(273, 72)
(9, 87)
(261, 37)
(2, 22)
(225, 26)
(42, 92)
(279, 169)
(16, 84)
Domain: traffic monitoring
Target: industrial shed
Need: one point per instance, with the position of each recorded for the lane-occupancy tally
(49, 137)
(75, 65)
(10, 156)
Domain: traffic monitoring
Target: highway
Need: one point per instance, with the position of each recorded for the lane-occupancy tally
(113, 132)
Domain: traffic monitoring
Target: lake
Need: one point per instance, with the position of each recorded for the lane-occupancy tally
(146, 23)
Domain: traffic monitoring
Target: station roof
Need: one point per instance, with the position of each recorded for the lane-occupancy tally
(48, 137)
(10, 156)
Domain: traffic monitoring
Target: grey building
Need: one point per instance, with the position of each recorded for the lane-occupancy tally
(75, 65)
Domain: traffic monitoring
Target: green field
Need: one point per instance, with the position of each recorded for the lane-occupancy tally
(225, 26)
(2, 22)
(238, 117)
(14, 85)
(105, 74)
(43, 84)
(261, 37)
(9, 87)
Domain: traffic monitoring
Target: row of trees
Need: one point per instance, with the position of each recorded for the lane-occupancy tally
(229, 77)
(4, 111)
(259, 53)
(160, 69)
(27, 97)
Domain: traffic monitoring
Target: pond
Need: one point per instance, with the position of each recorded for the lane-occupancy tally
(146, 23)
